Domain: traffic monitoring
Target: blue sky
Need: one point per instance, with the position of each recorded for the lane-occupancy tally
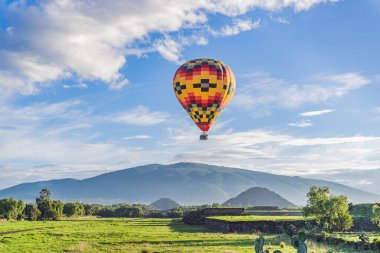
(85, 86)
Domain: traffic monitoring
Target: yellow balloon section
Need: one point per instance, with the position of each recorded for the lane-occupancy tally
(204, 87)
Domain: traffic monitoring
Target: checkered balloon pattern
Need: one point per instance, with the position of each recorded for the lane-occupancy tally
(204, 87)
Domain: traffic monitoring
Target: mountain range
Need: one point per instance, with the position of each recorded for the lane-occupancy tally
(187, 183)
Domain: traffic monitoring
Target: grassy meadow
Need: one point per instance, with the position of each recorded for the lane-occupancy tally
(131, 235)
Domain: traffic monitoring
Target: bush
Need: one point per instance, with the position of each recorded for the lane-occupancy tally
(31, 212)
(377, 244)
(291, 230)
(73, 209)
(156, 214)
(120, 211)
(175, 213)
(325, 234)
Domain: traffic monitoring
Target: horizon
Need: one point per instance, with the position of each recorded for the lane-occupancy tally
(83, 93)
(193, 163)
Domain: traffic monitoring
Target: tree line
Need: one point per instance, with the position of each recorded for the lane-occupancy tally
(46, 208)
(331, 212)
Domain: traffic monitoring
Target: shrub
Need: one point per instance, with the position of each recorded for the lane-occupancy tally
(31, 212)
(156, 214)
(175, 213)
(291, 230)
(377, 244)
(325, 234)
(73, 209)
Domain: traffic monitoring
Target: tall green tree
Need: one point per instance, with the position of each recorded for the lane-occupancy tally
(128, 211)
(31, 212)
(57, 206)
(50, 209)
(330, 211)
(45, 193)
(73, 209)
(375, 216)
(91, 209)
(45, 204)
(11, 208)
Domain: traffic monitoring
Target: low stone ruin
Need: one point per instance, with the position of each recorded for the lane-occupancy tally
(199, 217)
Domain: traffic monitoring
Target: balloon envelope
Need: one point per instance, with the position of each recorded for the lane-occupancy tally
(204, 87)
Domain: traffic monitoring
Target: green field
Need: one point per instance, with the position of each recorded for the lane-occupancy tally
(129, 235)
(258, 218)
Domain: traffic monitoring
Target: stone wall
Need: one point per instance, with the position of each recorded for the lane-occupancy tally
(364, 224)
(270, 227)
(198, 217)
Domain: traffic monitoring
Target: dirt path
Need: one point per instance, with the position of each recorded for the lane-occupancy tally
(18, 231)
(25, 230)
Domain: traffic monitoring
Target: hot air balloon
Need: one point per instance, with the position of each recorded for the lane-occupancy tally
(204, 87)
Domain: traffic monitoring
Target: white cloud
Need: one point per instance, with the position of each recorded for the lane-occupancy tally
(79, 85)
(169, 49)
(240, 25)
(353, 182)
(236, 7)
(62, 135)
(138, 137)
(41, 112)
(279, 153)
(348, 81)
(263, 90)
(315, 113)
(140, 116)
(332, 141)
(302, 123)
(54, 39)
(71, 146)
(280, 20)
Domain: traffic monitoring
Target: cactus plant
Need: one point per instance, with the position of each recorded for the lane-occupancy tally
(298, 242)
(364, 241)
(259, 244)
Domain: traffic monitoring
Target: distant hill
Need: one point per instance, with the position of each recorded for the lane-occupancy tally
(258, 196)
(164, 204)
(188, 183)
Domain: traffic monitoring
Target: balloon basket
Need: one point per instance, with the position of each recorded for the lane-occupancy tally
(203, 137)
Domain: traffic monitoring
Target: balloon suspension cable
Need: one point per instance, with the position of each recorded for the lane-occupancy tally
(204, 136)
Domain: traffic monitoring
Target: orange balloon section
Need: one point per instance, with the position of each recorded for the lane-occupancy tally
(204, 87)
